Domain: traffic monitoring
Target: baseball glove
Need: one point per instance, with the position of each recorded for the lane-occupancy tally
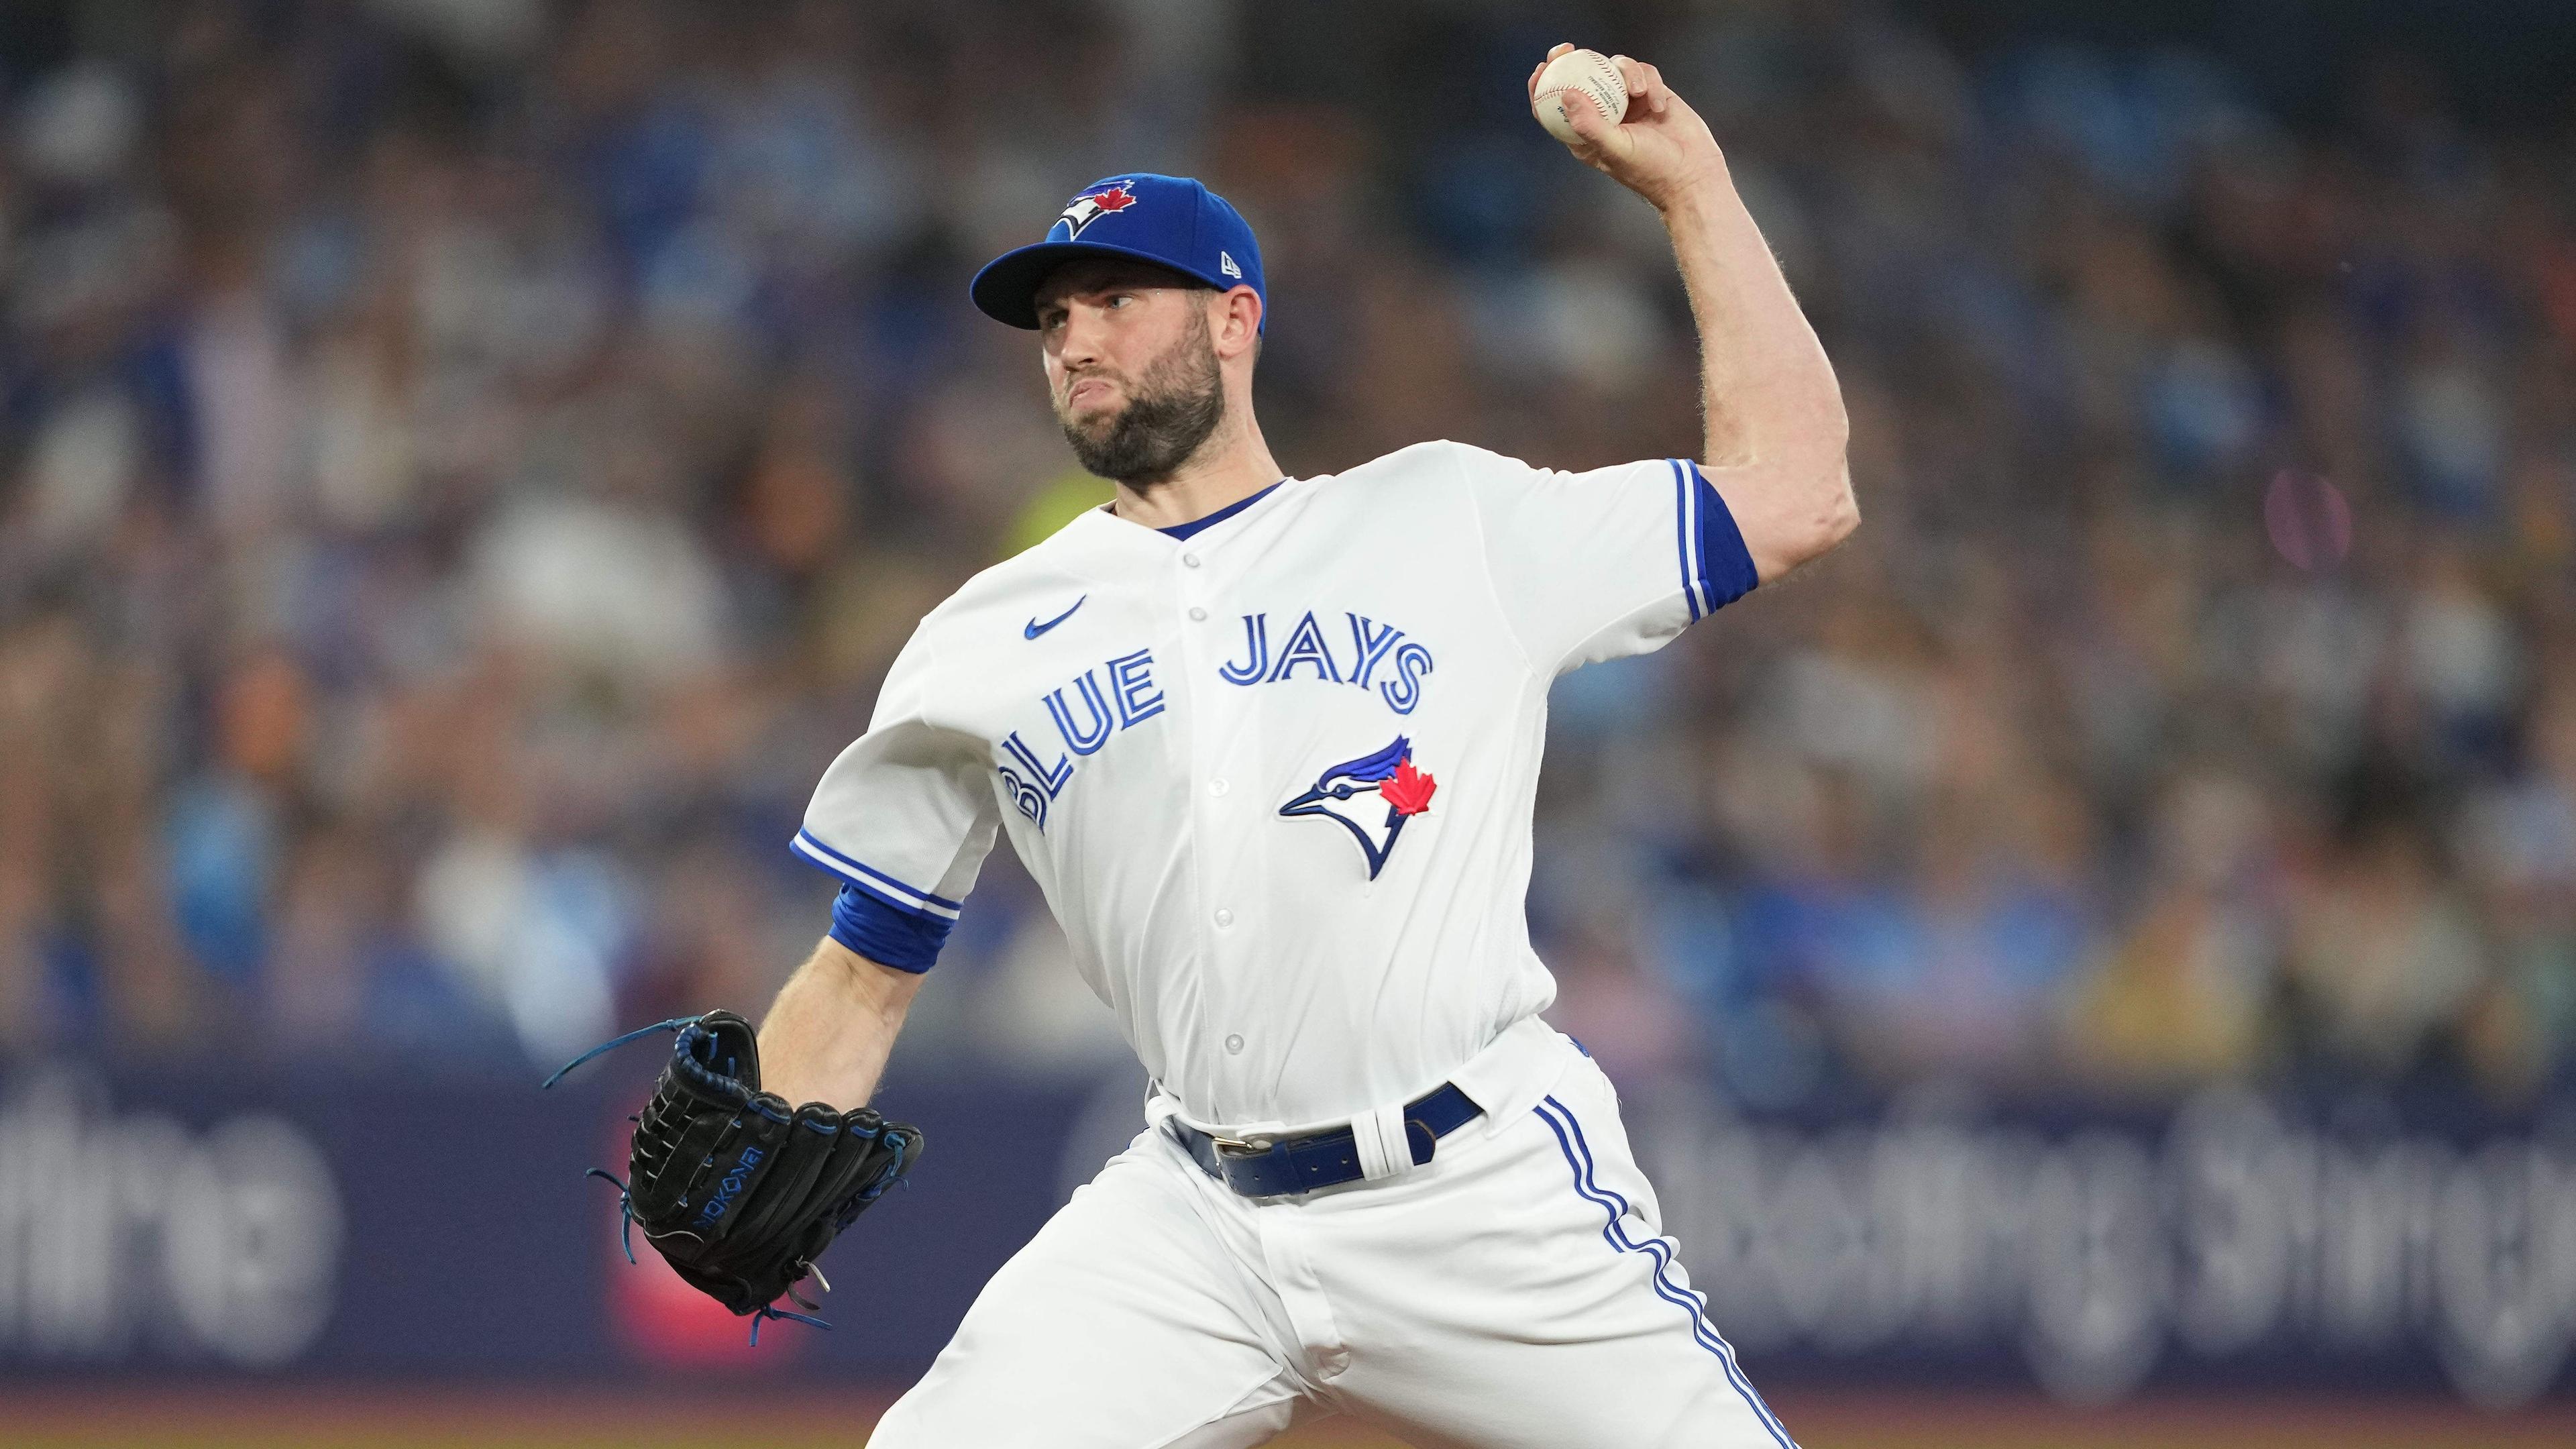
(739, 1192)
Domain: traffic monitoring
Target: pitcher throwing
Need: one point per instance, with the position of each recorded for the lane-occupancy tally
(1269, 745)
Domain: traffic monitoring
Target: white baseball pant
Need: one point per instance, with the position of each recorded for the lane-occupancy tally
(1513, 1293)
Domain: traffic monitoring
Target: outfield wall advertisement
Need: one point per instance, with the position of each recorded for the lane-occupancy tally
(382, 1225)
(2233, 1238)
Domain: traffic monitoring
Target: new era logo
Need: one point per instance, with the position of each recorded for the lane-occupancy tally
(1225, 264)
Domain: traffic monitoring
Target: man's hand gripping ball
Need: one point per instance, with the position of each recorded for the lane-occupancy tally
(1658, 148)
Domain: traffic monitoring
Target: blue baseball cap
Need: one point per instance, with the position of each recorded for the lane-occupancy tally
(1171, 221)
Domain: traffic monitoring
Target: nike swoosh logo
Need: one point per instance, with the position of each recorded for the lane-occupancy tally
(1034, 628)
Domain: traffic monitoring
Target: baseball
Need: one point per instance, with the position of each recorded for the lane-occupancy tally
(1588, 71)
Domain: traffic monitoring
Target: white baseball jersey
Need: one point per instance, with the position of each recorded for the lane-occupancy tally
(1275, 770)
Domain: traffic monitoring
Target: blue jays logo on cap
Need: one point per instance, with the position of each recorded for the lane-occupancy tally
(1390, 777)
(1091, 206)
(1171, 221)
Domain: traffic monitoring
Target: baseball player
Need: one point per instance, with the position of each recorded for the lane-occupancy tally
(1269, 746)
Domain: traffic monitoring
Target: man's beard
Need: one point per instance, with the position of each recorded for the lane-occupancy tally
(1170, 412)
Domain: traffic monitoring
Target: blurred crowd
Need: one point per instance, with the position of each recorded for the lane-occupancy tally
(466, 464)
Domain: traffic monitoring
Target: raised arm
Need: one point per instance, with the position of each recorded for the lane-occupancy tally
(827, 1035)
(1773, 414)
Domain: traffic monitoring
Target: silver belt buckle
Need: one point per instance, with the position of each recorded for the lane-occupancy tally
(1238, 1147)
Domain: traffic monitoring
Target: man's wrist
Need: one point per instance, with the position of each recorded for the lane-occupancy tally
(1701, 188)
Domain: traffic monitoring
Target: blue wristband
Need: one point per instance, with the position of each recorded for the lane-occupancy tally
(888, 934)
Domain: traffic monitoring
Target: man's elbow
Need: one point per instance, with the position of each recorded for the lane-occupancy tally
(1840, 514)
(1830, 517)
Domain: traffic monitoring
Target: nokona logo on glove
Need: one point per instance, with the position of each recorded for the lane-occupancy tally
(731, 1187)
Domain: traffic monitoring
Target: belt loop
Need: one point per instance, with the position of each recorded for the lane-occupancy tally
(1379, 1136)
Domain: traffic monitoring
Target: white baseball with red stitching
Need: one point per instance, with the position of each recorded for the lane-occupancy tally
(1588, 71)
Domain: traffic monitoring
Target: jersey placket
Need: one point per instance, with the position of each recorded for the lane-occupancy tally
(1221, 738)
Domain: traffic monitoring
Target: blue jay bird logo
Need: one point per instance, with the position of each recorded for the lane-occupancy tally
(1091, 206)
(1389, 775)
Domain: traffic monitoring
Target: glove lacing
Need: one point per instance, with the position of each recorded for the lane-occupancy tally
(677, 1023)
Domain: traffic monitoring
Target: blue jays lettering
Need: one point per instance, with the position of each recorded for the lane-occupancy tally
(1127, 698)
(1377, 655)
(1111, 698)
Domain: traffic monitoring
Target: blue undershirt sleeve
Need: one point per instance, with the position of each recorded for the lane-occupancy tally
(887, 934)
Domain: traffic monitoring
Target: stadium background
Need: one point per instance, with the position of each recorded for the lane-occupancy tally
(2094, 961)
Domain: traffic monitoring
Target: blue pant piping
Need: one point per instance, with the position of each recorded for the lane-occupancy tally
(1578, 1157)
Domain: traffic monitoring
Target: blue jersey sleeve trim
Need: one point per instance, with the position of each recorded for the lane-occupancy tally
(888, 934)
(869, 877)
(1717, 569)
(1684, 536)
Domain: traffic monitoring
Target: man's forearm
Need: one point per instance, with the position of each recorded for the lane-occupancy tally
(1773, 412)
(1768, 390)
(1774, 415)
(827, 1035)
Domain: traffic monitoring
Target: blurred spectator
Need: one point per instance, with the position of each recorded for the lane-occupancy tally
(2184, 995)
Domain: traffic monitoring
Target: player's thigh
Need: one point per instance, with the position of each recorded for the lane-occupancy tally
(1534, 1303)
(1126, 1323)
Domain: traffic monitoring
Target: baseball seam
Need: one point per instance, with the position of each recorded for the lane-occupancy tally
(1598, 86)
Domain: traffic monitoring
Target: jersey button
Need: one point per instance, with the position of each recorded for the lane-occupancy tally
(1197, 614)
(1224, 918)
(1189, 560)
(1218, 787)
(1234, 1045)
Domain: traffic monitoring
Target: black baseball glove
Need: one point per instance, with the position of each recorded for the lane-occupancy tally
(740, 1192)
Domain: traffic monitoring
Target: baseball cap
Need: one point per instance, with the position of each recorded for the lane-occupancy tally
(1173, 221)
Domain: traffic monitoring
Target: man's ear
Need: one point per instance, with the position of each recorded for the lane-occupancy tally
(1235, 324)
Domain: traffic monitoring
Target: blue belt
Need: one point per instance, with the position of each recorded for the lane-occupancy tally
(1324, 1159)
